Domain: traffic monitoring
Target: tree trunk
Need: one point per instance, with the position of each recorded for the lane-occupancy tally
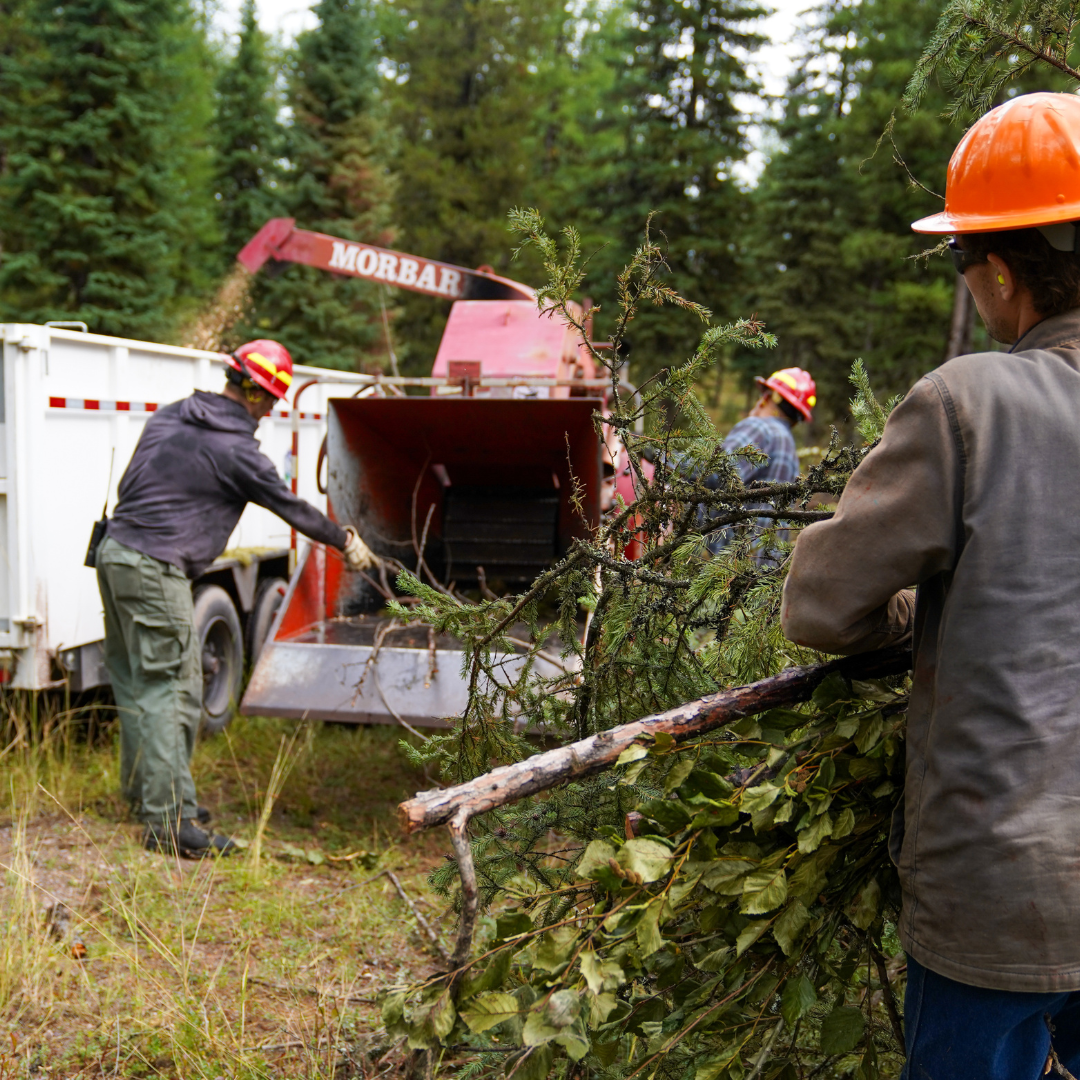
(963, 318)
(599, 752)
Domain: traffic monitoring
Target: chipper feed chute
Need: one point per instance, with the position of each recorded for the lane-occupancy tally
(475, 483)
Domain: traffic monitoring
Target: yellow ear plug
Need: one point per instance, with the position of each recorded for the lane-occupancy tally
(1001, 280)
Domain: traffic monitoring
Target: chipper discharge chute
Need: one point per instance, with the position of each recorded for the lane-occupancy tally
(481, 489)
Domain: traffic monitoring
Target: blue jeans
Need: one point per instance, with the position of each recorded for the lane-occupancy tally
(960, 1032)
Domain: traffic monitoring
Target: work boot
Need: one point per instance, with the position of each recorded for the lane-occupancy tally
(202, 815)
(188, 840)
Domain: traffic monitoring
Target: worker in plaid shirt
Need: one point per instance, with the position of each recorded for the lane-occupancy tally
(787, 397)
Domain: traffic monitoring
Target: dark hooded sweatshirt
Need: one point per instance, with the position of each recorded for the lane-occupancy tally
(195, 468)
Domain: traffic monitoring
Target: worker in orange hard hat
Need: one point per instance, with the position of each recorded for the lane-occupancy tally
(787, 397)
(196, 466)
(973, 495)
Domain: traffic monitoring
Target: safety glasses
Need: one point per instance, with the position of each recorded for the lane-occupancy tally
(962, 259)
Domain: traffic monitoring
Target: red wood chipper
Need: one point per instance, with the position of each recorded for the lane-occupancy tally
(469, 484)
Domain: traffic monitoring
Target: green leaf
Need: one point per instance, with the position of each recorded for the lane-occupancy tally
(841, 1030)
(509, 926)
(669, 813)
(632, 753)
(797, 999)
(869, 732)
(873, 690)
(549, 1017)
(808, 877)
(534, 1065)
(845, 824)
(678, 773)
(715, 787)
(783, 719)
(574, 1043)
(432, 1025)
(600, 1008)
(393, 1010)
(749, 935)
(811, 837)
(600, 974)
(647, 930)
(867, 904)
(597, 854)
(764, 891)
(555, 949)
(832, 690)
(847, 727)
(494, 975)
(488, 1010)
(789, 927)
(758, 798)
(715, 1065)
(649, 858)
(663, 743)
(713, 817)
(723, 876)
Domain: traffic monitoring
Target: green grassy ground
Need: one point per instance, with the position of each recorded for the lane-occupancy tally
(262, 965)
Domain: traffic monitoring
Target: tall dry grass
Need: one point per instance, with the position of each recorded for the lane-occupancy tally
(248, 967)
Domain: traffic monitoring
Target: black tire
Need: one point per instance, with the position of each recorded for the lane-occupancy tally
(268, 600)
(221, 647)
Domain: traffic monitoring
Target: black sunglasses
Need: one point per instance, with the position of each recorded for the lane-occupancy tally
(962, 259)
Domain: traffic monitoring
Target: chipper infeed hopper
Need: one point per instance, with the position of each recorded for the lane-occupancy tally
(490, 490)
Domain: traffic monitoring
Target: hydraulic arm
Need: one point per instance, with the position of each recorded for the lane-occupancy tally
(280, 240)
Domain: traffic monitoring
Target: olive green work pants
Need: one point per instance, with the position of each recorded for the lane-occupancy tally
(151, 653)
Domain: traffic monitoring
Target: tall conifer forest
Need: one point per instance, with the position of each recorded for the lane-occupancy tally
(141, 147)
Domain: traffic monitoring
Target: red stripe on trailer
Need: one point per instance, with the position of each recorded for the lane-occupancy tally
(102, 406)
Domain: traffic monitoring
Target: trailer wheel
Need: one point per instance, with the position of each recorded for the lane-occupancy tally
(221, 646)
(267, 602)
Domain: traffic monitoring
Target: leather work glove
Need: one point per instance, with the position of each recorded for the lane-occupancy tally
(358, 556)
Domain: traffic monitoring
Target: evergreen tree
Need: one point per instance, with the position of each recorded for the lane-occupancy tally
(678, 66)
(487, 96)
(832, 244)
(338, 182)
(249, 140)
(105, 208)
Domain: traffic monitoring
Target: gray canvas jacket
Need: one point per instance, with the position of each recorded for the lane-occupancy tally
(973, 495)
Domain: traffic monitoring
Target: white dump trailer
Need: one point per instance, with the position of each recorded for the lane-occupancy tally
(72, 407)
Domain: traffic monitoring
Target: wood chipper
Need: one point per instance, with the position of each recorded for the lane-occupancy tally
(484, 481)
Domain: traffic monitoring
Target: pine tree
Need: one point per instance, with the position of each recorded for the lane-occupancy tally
(338, 182)
(105, 208)
(485, 94)
(678, 66)
(248, 138)
(834, 254)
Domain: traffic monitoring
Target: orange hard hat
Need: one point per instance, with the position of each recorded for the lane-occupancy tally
(266, 363)
(795, 386)
(1017, 167)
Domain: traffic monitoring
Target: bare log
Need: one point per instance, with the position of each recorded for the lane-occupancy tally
(598, 752)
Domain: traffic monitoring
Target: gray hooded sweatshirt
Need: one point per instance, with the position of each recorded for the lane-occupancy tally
(195, 468)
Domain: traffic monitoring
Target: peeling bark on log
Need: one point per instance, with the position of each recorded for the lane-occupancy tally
(598, 752)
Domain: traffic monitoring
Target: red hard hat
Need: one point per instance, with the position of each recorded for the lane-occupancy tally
(1017, 167)
(795, 386)
(265, 362)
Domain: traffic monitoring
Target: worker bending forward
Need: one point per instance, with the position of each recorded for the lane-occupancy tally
(973, 495)
(195, 468)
